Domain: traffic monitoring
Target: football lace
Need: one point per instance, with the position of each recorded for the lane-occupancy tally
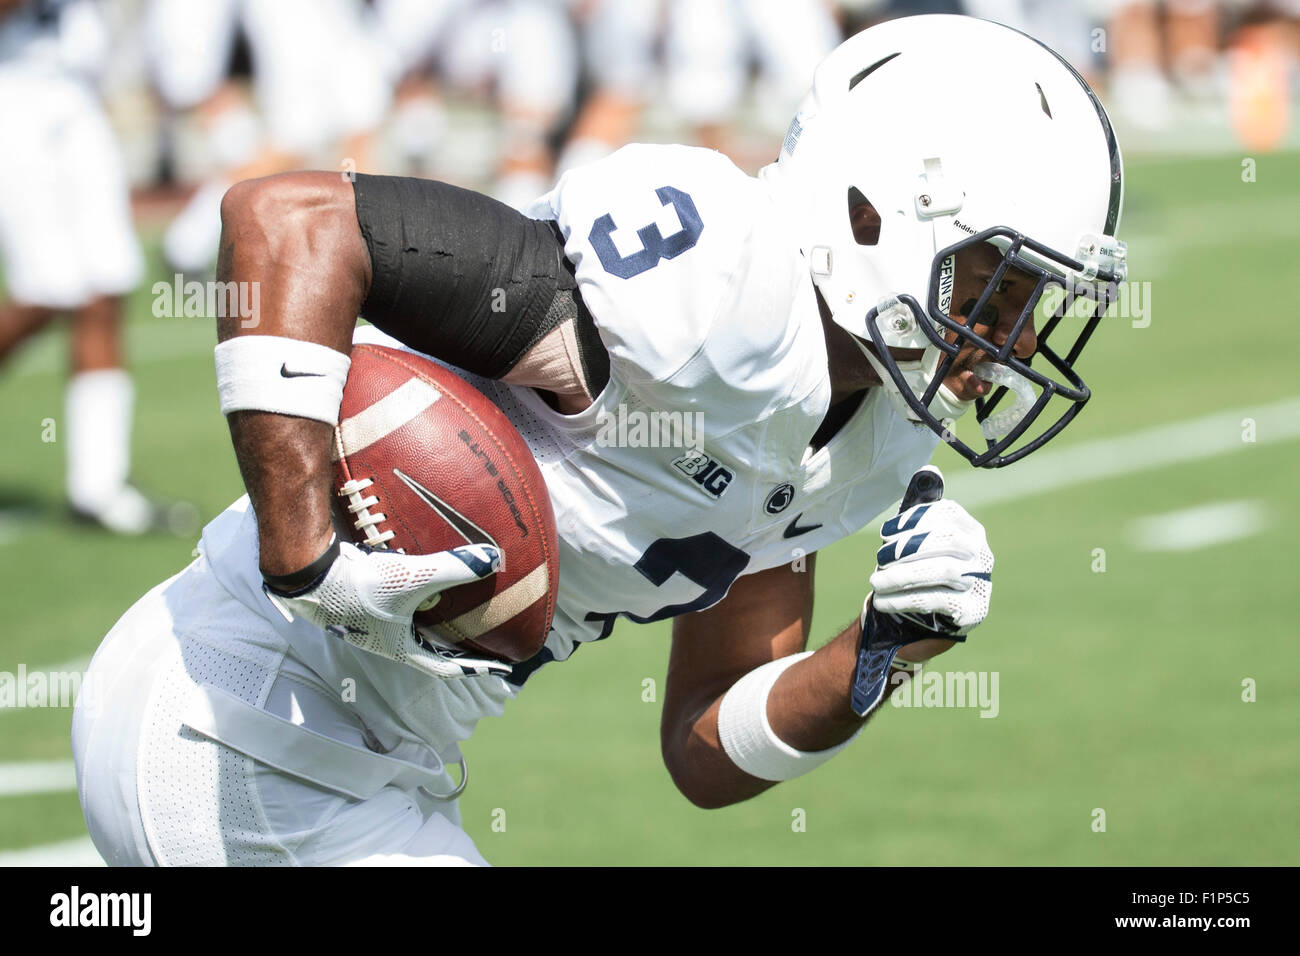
(367, 522)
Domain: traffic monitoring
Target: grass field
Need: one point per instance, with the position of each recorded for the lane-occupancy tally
(1119, 690)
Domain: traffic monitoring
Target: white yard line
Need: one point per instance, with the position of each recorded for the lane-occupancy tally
(1159, 447)
(37, 776)
(1201, 527)
(76, 852)
(1176, 443)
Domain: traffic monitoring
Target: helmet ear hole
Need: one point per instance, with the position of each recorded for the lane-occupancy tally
(863, 218)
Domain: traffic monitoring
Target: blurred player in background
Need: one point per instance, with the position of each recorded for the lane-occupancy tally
(700, 56)
(619, 47)
(319, 83)
(710, 45)
(68, 245)
(1262, 57)
(523, 53)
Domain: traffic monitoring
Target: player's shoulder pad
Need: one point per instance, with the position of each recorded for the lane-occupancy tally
(662, 239)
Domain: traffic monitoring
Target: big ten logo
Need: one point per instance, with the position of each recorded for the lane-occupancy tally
(705, 472)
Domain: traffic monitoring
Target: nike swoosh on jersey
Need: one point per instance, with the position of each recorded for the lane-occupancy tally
(285, 373)
(792, 530)
(467, 529)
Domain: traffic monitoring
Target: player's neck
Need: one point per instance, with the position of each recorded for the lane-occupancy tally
(847, 367)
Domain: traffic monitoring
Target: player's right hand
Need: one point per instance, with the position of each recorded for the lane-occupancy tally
(369, 598)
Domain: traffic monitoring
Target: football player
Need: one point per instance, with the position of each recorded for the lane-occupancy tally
(319, 83)
(68, 246)
(828, 319)
(708, 47)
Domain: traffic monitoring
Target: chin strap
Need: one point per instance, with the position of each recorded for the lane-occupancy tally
(945, 406)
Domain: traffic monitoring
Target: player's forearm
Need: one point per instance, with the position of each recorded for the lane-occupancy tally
(295, 241)
(285, 465)
(808, 708)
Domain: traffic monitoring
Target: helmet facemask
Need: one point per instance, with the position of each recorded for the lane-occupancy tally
(1074, 291)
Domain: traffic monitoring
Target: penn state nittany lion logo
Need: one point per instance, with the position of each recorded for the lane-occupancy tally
(779, 498)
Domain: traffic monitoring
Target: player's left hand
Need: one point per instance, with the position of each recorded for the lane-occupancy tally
(932, 584)
(935, 568)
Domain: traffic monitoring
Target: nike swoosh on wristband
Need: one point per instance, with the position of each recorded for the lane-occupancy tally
(285, 373)
(792, 530)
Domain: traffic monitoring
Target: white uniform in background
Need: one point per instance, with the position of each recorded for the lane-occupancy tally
(319, 75)
(187, 46)
(66, 234)
(227, 735)
(320, 72)
(318, 69)
(711, 43)
(526, 47)
(619, 46)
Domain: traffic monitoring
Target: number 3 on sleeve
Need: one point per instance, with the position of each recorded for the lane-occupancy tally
(655, 246)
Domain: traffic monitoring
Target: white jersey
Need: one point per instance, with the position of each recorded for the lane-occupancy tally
(709, 315)
(693, 465)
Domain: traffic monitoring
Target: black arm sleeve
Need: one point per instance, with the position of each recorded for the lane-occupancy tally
(460, 276)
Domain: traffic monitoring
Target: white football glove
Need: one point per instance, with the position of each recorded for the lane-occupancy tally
(935, 569)
(368, 598)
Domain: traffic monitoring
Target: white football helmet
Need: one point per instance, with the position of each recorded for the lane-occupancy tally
(937, 133)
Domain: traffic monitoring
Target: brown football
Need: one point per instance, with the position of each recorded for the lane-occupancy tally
(423, 462)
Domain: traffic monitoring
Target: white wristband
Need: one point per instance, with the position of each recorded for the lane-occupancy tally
(269, 373)
(747, 737)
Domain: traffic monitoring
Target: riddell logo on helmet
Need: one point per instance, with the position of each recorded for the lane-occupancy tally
(963, 227)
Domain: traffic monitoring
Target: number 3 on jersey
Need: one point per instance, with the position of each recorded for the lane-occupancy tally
(655, 246)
